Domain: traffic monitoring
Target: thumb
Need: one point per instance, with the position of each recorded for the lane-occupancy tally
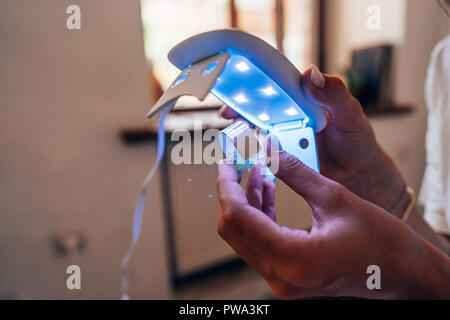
(316, 189)
(331, 92)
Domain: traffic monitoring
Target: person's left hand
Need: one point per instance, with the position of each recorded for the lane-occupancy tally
(347, 149)
(348, 234)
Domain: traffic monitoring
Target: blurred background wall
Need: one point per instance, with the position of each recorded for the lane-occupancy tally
(414, 27)
(64, 95)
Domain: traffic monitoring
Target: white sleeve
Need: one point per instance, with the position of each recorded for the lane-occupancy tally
(435, 191)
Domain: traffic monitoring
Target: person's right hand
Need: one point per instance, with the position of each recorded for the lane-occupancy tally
(348, 151)
(348, 235)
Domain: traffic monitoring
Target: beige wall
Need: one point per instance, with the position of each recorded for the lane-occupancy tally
(63, 97)
(414, 27)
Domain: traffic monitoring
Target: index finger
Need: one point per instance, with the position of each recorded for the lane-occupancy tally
(230, 193)
(257, 229)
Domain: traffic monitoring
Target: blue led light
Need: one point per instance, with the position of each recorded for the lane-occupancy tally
(269, 91)
(242, 66)
(291, 111)
(180, 79)
(250, 92)
(211, 67)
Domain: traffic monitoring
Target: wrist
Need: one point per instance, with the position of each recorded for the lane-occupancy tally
(403, 261)
(422, 270)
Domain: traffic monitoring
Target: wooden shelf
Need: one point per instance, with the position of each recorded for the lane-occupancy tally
(132, 135)
(182, 118)
(388, 111)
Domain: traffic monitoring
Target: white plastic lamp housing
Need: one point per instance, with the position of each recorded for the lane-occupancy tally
(256, 81)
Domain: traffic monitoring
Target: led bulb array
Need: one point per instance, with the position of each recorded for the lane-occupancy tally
(251, 93)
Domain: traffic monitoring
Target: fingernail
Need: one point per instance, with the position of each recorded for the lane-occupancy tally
(221, 163)
(317, 78)
(222, 109)
(258, 165)
(263, 170)
(304, 71)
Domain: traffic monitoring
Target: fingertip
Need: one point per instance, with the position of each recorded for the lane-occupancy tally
(227, 170)
(258, 166)
(268, 198)
(227, 113)
(255, 177)
(307, 71)
(268, 183)
(221, 163)
(335, 96)
(253, 186)
(272, 144)
(268, 187)
(312, 92)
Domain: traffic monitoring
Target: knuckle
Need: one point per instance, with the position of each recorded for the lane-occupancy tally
(295, 275)
(219, 182)
(284, 292)
(340, 84)
(336, 194)
(307, 276)
(266, 271)
(341, 89)
(230, 216)
(221, 229)
(291, 162)
(356, 105)
(337, 85)
(337, 82)
(356, 111)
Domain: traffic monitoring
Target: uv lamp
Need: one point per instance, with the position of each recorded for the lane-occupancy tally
(252, 78)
